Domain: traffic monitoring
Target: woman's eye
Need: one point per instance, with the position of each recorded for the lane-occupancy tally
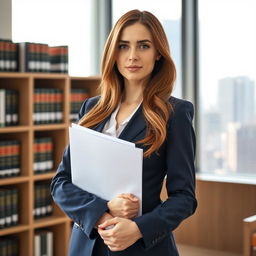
(144, 46)
(123, 46)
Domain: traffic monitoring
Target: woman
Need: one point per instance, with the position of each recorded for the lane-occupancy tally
(135, 105)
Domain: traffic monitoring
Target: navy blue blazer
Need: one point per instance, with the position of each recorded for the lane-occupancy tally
(174, 159)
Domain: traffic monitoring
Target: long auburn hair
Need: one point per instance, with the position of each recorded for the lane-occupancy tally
(156, 107)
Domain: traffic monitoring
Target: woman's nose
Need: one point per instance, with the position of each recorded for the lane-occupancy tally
(133, 54)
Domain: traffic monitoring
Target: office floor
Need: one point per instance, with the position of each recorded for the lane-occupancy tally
(186, 250)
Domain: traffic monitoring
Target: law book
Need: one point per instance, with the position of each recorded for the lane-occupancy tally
(43, 155)
(48, 201)
(15, 215)
(25, 57)
(9, 107)
(6, 48)
(2, 107)
(59, 59)
(3, 247)
(9, 158)
(2, 208)
(78, 96)
(59, 105)
(37, 245)
(8, 208)
(15, 107)
(43, 243)
(37, 201)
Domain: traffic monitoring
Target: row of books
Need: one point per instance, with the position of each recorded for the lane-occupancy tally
(9, 107)
(9, 246)
(8, 207)
(48, 106)
(9, 158)
(43, 241)
(78, 96)
(32, 57)
(42, 200)
(8, 56)
(43, 155)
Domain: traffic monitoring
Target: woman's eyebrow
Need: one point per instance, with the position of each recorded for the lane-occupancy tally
(139, 41)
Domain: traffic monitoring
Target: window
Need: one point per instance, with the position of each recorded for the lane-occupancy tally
(169, 13)
(58, 22)
(227, 87)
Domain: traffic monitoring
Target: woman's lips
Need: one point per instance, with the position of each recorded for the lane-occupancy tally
(133, 68)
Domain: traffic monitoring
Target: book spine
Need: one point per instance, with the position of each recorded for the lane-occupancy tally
(3, 247)
(48, 201)
(16, 153)
(8, 159)
(14, 107)
(15, 207)
(49, 154)
(43, 244)
(8, 107)
(36, 113)
(13, 57)
(49, 243)
(2, 209)
(44, 199)
(2, 107)
(2, 159)
(37, 210)
(36, 157)
(8, 208)
(37, 245)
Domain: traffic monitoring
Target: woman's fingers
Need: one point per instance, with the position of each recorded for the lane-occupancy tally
(129, 196)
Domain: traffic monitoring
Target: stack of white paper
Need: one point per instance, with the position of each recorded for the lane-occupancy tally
(103, 165)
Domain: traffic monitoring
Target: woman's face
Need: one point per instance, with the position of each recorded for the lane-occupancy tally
(136, 53)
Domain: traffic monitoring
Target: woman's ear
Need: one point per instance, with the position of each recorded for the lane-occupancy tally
(158, 57)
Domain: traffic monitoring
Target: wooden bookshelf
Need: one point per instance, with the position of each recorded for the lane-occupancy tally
(26, 132)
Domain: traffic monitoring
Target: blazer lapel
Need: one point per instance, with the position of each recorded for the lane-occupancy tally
(134, 126)
(101, 125)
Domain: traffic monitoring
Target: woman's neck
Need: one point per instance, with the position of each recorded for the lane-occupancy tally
(133, 93)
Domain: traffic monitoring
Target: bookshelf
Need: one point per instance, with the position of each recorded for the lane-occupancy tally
(26, 132)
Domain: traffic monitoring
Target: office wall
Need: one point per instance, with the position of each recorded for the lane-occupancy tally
(218, 221)
(6, 19)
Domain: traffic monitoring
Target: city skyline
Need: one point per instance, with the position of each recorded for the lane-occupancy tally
(229, 129)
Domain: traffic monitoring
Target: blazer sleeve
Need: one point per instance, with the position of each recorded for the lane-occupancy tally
(180, 181)
(82, 207)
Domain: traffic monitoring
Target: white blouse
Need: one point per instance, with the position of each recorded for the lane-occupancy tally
(110, 126)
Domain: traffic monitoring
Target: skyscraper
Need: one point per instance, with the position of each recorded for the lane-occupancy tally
(236, 100)
(241, 148)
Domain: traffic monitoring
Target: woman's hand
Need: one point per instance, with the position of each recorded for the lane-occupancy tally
(124, 206)
(123, 234)
(103, 218)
